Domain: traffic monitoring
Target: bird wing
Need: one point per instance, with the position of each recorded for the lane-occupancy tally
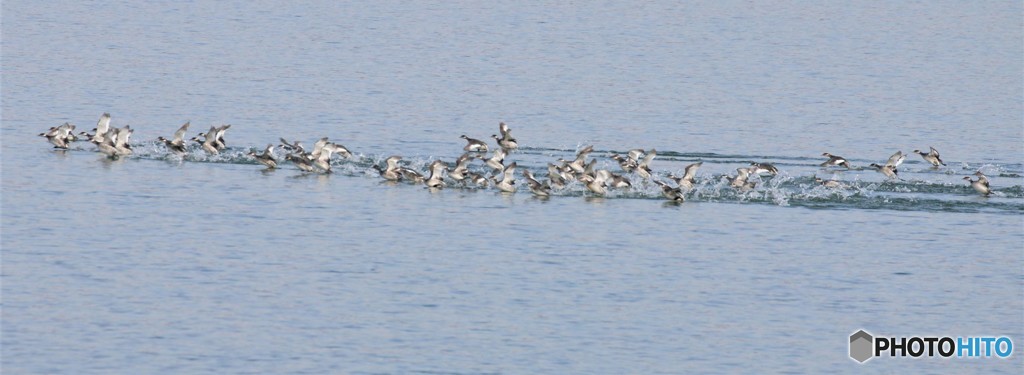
(648, 158)
(691, 170)
(585, 151)
(635, 154)
(103, 125)
(896, 159)
(181, 131)
(509, 172)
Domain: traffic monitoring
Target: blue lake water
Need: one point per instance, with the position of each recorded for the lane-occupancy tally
(156, 263)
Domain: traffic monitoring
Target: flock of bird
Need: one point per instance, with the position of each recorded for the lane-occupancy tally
(114, 143)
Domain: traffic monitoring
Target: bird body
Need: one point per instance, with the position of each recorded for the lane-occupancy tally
(932, 156)
(834, 160)
(266, 158)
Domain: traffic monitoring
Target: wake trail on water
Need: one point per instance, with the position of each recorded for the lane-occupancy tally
(920, 187)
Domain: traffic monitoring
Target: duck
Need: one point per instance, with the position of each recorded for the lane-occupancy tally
(980, 185)
(177, 143)
(759, 168)
(436, 180)
(266, 158)
(391, 171)
(121, 142)
(832, 184)
(537, 188)
(671, 193)
(740, 181)
(932, 156)
(477, 179)
(102, 127)
(578, 165)
(834, 160)
(888, 170)
(301, 161)
(597, 183)
(505, 144)
(643, 168)
(210, 142)
(896, 159)
(215, 136)
(292, 147)
(628, 165)
(506, 140)
(411, 175)
(60, 136)
(497, 161)
(318, 147)
(106, 145)
(474, 145)
(618, 181)
(689, 173)
(461, 167)
(508, 181)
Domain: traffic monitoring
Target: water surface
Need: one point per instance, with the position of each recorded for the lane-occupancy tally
(156, 263)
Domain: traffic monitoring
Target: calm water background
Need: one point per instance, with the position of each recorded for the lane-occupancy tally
(151, 264)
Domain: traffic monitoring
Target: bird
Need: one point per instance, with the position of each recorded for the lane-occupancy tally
(505, 144)
(296, 147)
(266, 158)
(643, 168)
(60, 136)
(829, 183)
(106, 145)
(210, 141)
(102, 127)
(597, 183)
(462, 167)
(888, 170)
(318, 147)
(618, 181)
(579, 164)
(758, 168)
(556, 178)
(436, 180)
(896, 159)
(474, 145)
(177, 143)
(506, 141)
(497, 161)
(537, 188)
(508, 181)
(477, 179)
(627, 164)
(301, 161)
(980, 185)
(390, 172)
(411, 175)
(323, 158)
(220, 136)
(740, 181)
(121, 142)
(932, 156)
(689, 173)
(673, 194)
(835, 160)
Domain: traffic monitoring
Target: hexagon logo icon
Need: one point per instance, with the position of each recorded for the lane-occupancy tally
(861, 345)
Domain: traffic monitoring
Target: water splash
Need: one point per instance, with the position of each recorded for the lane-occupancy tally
(921, 187)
